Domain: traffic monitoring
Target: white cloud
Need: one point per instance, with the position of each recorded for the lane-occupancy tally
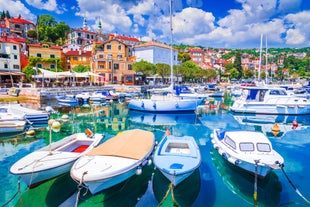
(50, 5)
(298, 29)
(286, 6)
(16, 8)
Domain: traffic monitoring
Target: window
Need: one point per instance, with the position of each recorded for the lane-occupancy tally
(17, 26)
(14, 47)
(6, 65)
(263, 147)
(119, 56)
(120, 47)
(87, 36)
(116, 66)
(79, 34)
(39, 55)
(101, 56)
(39, 65)
(74, 58)
(129, 67)
(52, 56)
(230, 142)
(15, 57)
(52, 66)
(109, 47)
(15, 66)
(246, 146)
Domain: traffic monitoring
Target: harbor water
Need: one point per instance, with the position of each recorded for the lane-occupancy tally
(216, 183)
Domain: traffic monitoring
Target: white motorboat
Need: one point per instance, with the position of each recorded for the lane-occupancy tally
(115, 160)
(54, 159)
(177, 157)
(269, 100)
(249, 150)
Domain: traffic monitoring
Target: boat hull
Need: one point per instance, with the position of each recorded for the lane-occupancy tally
(179, 105)
(247, 160)
(177, 158)
(52, 161)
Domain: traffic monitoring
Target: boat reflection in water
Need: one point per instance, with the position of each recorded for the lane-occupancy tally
(50, 193)
(162, 119)
(268, 124)
(241, 182)
(184, 194)
(126, 193)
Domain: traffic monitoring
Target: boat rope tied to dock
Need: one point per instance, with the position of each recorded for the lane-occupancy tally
(255, 183)
(80, 186)
(17, 193)
(292, 184)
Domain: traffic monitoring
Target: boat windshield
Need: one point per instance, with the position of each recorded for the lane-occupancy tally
(230, 142)
(277, 92)
(263, 147)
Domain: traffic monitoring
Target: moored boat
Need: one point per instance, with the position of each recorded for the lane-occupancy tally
(249, 150)
(270, 100)
(114, 161)
(54, 159)
(177, 157)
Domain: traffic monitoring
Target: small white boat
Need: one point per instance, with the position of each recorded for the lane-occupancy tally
(270, 100)
(54, 159)
(249, 150)
(10, 126)
(114, 161)
(177, 157)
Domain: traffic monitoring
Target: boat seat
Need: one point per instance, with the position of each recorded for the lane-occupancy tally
(80, 148)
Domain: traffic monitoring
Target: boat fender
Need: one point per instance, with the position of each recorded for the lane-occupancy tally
(139, 170)
(89, 133)
(295, 124)
(238, 162)
(142, 105)
(177, 105)
(225, 155)
(154, 105)
(149, 162)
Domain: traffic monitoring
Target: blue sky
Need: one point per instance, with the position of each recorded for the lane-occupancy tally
(209, 23)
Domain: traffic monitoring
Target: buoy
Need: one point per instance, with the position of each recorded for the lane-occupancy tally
(167, 132)
(139, 171)
(295, 124)
(275, 130)
(30, 133)
(88, 132)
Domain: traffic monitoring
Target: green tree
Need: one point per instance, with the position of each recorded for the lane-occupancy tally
(163, 70)
(81, 68)
(50, 30)
(183, 57)
(247, 73)
(189, 70)
(2, 15)
(234, 73)
(145, 67)
(237, 64)
(31, 34)
(7, 14)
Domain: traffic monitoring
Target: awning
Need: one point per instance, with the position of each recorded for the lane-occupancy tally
(12, 73)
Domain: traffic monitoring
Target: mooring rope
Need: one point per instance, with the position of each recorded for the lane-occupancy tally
(171, 186)
(292, 184)
(80, 186)
(255, 183)
(17, 193)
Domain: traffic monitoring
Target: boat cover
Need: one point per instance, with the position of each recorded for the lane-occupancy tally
(133, 144)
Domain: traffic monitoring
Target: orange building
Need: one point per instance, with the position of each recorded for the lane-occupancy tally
(112, 60)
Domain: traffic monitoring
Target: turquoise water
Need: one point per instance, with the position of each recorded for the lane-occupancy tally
(215, 183)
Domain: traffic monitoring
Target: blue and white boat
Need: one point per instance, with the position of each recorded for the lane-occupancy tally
(270, 100)
(115, 160)
(249, 150)
(177, 157)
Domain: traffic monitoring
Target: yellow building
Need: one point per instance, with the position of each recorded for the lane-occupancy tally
(112, 60)
(50, 55)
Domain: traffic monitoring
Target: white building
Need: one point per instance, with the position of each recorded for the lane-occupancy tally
(155, 52)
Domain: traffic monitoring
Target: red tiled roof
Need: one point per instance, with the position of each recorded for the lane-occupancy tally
(2, 25)
(77, 53)
(153, 43)
(195, 49)
(40, 45)
(124, 38)
(20, 21)
(12, 40)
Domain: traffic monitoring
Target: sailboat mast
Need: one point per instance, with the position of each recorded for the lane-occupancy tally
(260, 56)
(266, 62)
(171, 49)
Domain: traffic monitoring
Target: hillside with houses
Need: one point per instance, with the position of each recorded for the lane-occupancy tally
(60, 55)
